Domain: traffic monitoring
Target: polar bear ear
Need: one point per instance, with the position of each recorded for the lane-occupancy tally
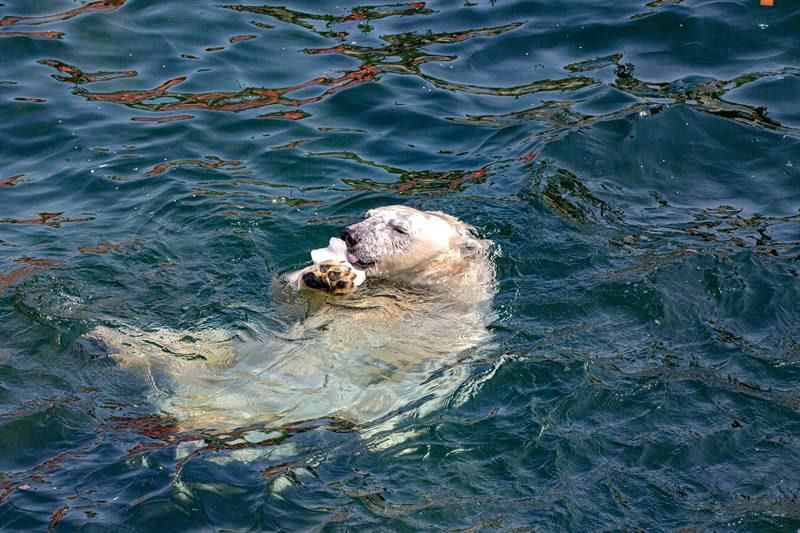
(467, 242)
(470, 246)
(450, 219)
(462, 228)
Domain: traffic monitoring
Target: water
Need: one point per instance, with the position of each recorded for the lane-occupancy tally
(635, 164)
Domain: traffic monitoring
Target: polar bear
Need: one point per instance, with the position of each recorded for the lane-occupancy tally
(393, 345)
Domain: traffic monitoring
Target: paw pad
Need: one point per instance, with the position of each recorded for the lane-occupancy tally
(331, 277)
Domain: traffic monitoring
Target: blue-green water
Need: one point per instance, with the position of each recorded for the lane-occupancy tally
(637, 165)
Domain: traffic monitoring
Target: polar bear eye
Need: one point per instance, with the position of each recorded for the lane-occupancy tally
(399, 228)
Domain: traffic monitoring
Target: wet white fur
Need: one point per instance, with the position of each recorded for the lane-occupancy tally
(393, 344)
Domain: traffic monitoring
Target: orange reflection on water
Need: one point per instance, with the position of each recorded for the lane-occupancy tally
(293, 144)
(75, 75)
(10, 182)
(411, 181)
(103, 5)
(371, 13)
(240, 38)
(33, 34)
(430, 181)
(164, 431)
(31, 267)
(214, 162)
(357, 14)
(475, 175)
(249, 98)
(58, 515)
(162, 120)
(104, 248)
(286, 115)
(16, 275)
(53, 220)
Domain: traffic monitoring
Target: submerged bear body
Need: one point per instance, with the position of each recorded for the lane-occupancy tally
(391, 346)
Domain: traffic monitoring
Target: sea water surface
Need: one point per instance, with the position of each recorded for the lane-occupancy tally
(636, 163)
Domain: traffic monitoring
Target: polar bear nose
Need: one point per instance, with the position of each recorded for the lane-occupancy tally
(349, 237)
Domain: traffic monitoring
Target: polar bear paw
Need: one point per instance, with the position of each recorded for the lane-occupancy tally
(332, 277)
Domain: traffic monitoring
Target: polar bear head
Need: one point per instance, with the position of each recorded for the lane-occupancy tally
(402, 242)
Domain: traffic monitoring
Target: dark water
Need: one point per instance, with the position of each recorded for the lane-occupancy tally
(638, 166)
